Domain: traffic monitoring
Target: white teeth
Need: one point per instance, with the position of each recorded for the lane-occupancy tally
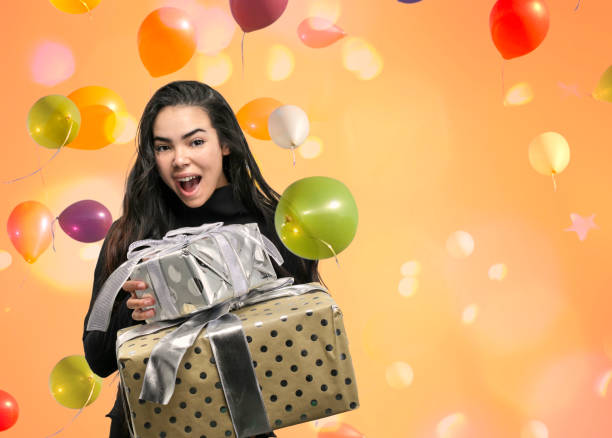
(187, 178)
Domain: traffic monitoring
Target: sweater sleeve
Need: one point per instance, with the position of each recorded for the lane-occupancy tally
(99, 347)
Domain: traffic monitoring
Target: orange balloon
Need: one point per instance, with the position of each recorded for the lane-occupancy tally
(75, 6)
(253, 117)
(29, 228)
(166, 41)
(99, 107)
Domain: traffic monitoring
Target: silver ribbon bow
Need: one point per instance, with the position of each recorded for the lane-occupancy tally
(230, 349)
(172, 241)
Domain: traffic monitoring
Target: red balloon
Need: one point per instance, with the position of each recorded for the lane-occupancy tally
(256, 14)
(9, 410)
(317, 32)
(86, 221)
(518, 26)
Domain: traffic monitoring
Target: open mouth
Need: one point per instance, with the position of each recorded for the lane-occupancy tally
(189, 187)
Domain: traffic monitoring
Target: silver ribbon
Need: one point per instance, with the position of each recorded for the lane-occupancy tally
(230, 349)
(173, 241)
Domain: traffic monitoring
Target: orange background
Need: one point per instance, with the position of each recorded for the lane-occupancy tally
(427, 147)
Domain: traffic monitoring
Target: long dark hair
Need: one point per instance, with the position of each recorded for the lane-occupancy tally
(146, 204)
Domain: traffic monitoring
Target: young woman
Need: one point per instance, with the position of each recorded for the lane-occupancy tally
(193, 166)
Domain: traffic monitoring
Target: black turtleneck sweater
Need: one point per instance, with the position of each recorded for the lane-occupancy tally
(222, 206)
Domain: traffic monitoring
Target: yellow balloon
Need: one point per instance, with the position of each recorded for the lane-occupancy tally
(603, 91)
(75, 6)
(73, 384)
(549, 153)
(54, 121)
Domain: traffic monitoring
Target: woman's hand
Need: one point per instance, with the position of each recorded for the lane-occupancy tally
(138, 304)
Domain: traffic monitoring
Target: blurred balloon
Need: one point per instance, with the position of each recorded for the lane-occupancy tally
(317, 32)
(125, 128)
(253, 117)
(214, 30)
(51, 63)
(460, 244)
(256, 14)
(9, 410)
(86, 221)
(549, 153)
(281, 62)
(75, 6)
(73, 384)
(344, 430)
(166, 41)
(99, 107)
(408, 1)
(316, 217)
(54, 121)
(288, 126)
(603, 91)
(518, 26)
(29, 228)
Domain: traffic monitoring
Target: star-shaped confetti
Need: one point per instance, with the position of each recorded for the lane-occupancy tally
(581, 225)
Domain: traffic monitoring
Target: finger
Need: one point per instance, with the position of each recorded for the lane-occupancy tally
(141, 315)
(132, 285)
(135, 303)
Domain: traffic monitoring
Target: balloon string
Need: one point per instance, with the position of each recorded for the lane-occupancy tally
(53, 233)
(293, 154)
(93, 386)
(242, 53)
(54, 155)
(331, 249)
(114, 378)
(577, 6)
(554, 182)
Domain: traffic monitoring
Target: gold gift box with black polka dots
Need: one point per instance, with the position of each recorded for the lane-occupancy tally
(300, 356)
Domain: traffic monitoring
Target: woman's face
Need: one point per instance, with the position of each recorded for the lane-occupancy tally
(188, 154)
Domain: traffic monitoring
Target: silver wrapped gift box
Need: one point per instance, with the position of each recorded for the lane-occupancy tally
(196, 276)
(191, 269)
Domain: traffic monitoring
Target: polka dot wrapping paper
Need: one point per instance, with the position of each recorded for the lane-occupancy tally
(300, 356)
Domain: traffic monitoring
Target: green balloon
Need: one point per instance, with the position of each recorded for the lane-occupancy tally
(315, 213)
(603, 91)
(54, 121)
(73, 384)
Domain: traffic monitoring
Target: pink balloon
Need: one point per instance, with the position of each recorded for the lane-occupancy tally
(256, 14)
(318, 32)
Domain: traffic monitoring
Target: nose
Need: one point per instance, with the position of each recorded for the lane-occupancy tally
(181, 156)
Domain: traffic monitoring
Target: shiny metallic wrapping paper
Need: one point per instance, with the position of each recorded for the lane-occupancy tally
(195, 277)
(300, 356)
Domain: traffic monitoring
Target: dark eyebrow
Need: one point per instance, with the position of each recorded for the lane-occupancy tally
(189, 134)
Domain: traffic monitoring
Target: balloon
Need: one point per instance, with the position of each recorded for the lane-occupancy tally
(99, 107)
(29, 228)
(288, 126)
(408, 1)
(518, 26)
(313, 213)
(318, 32)
(73, 384)
(86, 221)
(342, 431)
(603, 91)
(166, 41)
(253, 117)
(75, 6)
(9, 410)
(54, 121)
(549, 153)
(256, 14)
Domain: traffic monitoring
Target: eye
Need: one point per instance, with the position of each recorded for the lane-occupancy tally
(160, 147)
(198, 142)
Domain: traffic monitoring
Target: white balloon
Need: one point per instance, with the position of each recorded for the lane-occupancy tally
(288, 126)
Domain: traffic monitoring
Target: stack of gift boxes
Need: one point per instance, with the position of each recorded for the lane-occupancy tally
(266, 354)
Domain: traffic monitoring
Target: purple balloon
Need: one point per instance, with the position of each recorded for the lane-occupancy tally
(86, 221)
